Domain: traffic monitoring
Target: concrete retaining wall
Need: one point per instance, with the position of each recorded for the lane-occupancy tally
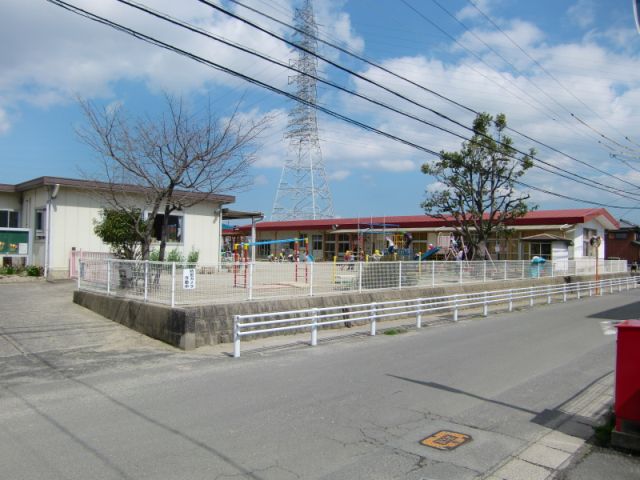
(194, 326)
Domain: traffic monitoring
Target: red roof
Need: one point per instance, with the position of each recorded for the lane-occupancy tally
(538, 217)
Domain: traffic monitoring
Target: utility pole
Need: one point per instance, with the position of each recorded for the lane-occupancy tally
(303, 190)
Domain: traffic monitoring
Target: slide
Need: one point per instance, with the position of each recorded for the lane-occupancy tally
(428, 253)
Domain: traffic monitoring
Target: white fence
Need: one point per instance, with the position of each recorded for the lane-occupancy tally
(313, 318)
(184, 284)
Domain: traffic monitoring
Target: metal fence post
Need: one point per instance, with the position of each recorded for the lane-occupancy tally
(373, 319)
(360, 266)
(236, 337)
(522, 265)
(311, 279)
(108, 276)
(251, 280)
(146, 279)
(511, 300)
(578, 290)
(549, 295)
(433, 274)
(531, 296)
(506, 275)
(455, 308)
(419, 314)
(173, 284)
(314, 328)
(80, 269)
(400, 275)
(460, 274)
(485, 309)
(564, 292)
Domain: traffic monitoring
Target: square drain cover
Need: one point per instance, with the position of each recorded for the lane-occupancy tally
(445, 440)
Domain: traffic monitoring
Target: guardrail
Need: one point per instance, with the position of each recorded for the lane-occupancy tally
(314, 318)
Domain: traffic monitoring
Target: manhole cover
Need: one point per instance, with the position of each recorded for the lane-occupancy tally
(445, 440)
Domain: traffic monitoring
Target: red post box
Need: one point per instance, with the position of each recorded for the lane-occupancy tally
(627, 402)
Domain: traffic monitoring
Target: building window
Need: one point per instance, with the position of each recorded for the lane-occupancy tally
(263, 251)
(174, 228)
(620, 235)
(343, 242)
(9, 219)
(40, 223)
(540, 250)
(316, 242)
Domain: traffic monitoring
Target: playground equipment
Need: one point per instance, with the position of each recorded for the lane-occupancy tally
(453, 247)
(241, 259)
(240, 250)
(432, 251)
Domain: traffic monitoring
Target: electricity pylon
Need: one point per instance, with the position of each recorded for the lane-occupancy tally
(303, 191)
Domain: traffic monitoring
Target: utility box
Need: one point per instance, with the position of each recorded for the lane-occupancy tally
(627, 402)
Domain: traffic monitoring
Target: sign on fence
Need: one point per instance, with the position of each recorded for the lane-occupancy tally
(189, 278)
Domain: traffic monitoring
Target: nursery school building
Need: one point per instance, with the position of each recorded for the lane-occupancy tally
(550, 234)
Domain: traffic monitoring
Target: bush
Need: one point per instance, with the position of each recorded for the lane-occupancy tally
(193, 256)
(175, 256)
(34, 271)
(9, 270)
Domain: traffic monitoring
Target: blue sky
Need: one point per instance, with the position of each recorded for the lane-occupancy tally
(587, 62)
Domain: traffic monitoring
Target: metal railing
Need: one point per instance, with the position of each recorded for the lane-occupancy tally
(184, 284)
(314, 318)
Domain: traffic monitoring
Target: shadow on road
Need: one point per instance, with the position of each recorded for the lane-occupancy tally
(625, 312)
(559, 418)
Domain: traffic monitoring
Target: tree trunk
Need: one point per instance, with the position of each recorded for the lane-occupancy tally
(163, 235)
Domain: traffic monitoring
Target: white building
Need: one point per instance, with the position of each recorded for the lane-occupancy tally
(59, 214)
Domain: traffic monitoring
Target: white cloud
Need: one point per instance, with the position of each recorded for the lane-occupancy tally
(260, 180)
(582, 13)
(339, 175)
(469, 12)
(5, 124)
(65, 54)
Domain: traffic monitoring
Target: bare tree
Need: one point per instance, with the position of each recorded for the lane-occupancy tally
(169, 162)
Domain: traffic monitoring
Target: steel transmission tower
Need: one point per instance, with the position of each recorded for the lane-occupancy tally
(303, 191)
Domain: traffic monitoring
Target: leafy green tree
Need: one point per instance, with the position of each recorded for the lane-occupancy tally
(476, 186)
(123, 231)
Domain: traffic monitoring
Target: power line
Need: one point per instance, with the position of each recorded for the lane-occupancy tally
(386, 70)
(553, 77)
(192, 56)
(581, 200)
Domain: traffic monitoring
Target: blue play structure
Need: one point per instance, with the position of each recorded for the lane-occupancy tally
(428, 253)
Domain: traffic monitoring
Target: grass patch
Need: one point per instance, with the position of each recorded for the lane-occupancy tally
(395, 331)
(602, 433)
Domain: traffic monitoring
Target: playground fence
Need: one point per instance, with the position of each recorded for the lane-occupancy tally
(188, 284)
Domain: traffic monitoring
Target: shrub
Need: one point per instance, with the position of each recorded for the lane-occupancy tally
(175, 256)
(34, 271)
(8, 270)
(193, 256)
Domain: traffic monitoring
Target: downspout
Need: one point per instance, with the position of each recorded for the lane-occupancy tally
(53, 193)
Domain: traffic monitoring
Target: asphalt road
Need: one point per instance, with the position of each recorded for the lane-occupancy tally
(81, 397)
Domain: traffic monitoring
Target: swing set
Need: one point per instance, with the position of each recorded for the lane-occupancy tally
(241, 262)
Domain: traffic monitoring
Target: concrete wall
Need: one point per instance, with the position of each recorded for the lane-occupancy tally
(170, 325)
(195, 326)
